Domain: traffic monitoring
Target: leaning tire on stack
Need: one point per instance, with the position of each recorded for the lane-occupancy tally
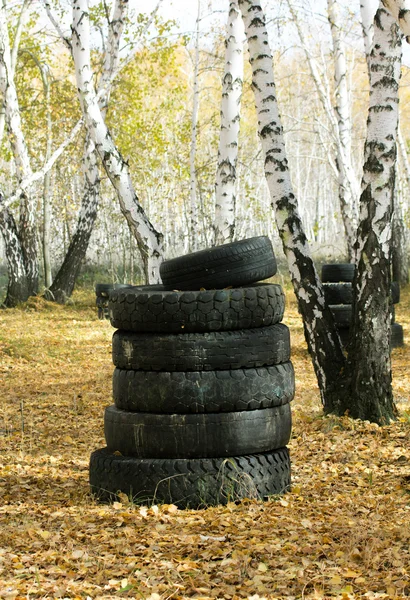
(337, 281)
(202, 389)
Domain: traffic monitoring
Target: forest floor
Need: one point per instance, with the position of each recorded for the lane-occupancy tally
(342, 532)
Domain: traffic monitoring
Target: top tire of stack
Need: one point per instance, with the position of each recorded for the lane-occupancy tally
(235, 264)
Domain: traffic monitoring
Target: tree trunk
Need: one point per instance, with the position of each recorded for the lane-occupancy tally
(342, 109)
(193, 210)
(17, 288)
(348, 184)
(27, 230)
(225, 184)
(320, 332)
(369, 361)
(148, 239)
(63, 283)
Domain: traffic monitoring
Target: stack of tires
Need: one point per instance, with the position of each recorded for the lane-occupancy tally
(102, 294)
(337, 281)
(202, 383)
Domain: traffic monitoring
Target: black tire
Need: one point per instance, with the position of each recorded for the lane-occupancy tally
(197, 311)
(149, 435)
(338, 293)
(397, 335)
(342, 293)
(218, 350)
(342, 314)
(198, 392)
(104, 289)
(235, 264)
(190, 483)
(336, 272)
(395, 292)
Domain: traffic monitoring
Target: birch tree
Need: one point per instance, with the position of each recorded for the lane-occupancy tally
(232, 82)
(369, 352)
(150, 241)
(64, 281)
(399, 242)
(320, 331)
(361, 384)
(23, 270)
(193, 200)
(340, 131)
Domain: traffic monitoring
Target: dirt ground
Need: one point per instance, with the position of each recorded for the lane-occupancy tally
(342, 532)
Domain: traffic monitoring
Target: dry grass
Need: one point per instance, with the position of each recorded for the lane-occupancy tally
(343, 531)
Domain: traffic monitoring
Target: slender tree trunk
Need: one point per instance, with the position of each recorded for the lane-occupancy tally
(232, 81)
(64, 281)
(17, 288)
(348, 184)
(320, 331)
(369, 353)
(193, 211)
(26, 230)
(342, 109)
(47, 181)
(148, 239)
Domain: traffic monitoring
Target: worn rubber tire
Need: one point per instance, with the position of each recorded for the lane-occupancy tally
(203, 391)
(197, 311)
(150, 435)
(397, 335)
(189, 483)
(342, 314)
(338, 293)
(218, 350)
(235, 264)
(104, 289)
(334, 273)
(342, 293)
(395, 292)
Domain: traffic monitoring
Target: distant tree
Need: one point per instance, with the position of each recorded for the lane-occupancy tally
(232, 82)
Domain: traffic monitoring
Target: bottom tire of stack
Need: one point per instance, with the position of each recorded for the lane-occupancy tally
(198, 457)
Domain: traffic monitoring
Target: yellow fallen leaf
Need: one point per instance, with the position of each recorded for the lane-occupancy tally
(349, 574)
(77, 554)
(336, 580)
(262, 567)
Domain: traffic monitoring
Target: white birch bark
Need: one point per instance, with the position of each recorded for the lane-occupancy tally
(323, 341)
(367, 11)
(27, 230)
(369, 355)
(193, 195)
(400, 10)
(13, 57)
(149, 240)
(232, 82)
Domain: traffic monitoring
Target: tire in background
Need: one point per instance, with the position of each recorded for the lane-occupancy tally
(336, 272)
